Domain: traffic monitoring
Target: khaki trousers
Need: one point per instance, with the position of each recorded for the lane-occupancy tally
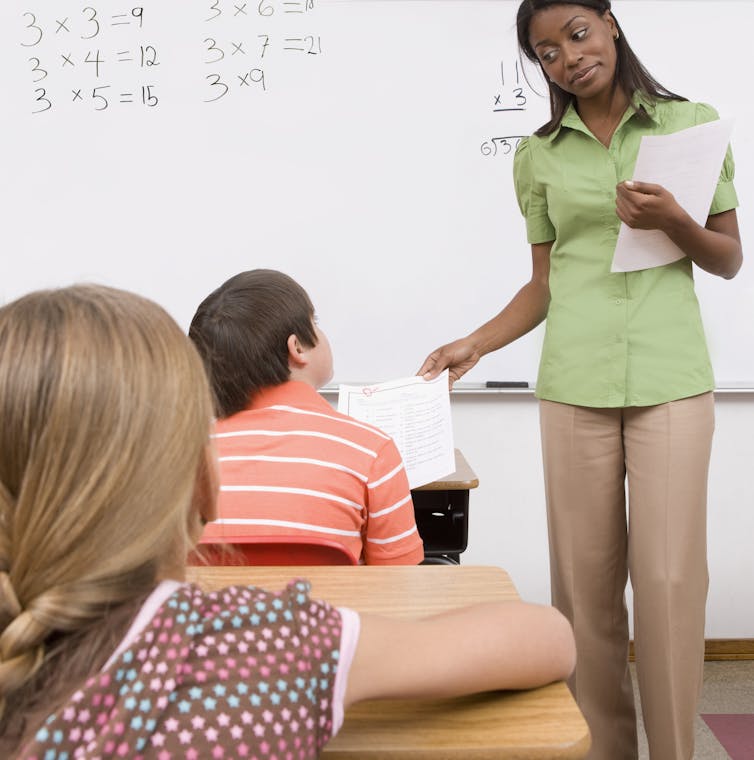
(663, 452)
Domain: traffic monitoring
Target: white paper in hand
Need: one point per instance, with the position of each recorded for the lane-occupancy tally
(415, 413)
(687, 164)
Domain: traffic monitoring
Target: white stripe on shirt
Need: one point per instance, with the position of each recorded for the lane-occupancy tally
(296, 460)
(387, 477)
(388, 510)
(392, 539)
(297, 491)
(309, 433)
(280, 524)
(344, 420)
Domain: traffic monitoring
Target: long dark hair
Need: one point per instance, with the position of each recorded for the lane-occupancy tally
(630, 74)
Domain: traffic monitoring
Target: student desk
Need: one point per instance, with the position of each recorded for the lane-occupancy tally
(528, 725)
(442, 511)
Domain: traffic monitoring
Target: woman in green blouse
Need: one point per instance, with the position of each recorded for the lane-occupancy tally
(625, 382)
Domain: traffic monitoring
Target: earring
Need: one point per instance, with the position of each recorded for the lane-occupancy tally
(617, 36)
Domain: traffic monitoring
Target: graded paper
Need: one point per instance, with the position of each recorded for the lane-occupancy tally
(687, 164)
(415, 413)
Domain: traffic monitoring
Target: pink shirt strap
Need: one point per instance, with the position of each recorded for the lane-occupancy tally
(349, 638)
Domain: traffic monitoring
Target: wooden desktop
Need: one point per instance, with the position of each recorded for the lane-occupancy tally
(528, 725)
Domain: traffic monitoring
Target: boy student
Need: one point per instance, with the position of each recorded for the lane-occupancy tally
(289, 463)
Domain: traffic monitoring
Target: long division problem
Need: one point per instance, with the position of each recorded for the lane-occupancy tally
(512, 98)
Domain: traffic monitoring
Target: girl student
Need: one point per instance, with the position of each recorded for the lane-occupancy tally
(106, 477)
(625, 382)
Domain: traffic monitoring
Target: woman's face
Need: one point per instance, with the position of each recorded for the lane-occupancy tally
(576, 48)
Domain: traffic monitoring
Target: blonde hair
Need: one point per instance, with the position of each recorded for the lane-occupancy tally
(105, 413)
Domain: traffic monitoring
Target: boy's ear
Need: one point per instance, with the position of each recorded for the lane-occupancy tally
(206, 487)
(297, 354)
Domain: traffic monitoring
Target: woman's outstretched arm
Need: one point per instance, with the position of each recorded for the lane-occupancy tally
(523, 313)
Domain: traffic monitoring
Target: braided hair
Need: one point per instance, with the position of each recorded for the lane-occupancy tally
(105, 412)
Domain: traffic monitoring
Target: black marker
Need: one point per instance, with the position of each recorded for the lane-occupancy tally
(506, 384)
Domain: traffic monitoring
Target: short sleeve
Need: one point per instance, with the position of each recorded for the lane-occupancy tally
(725, 197)
(392, 537)
(349, 640)
(531, 195)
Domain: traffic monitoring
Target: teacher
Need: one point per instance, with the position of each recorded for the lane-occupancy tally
(625, 381)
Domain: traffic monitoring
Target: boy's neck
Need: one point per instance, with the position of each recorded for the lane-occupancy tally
(302, 376)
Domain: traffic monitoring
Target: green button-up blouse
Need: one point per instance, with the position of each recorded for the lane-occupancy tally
(611, 339)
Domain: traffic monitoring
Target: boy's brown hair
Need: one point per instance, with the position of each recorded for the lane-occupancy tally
(241, 330)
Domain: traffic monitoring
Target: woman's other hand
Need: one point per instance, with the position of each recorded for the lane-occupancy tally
(716, 247)
(644, 206)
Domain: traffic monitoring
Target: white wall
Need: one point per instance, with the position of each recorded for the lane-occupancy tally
(377, 173)
(498, 434)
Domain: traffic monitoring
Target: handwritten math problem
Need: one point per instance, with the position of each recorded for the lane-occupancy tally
(126, 59)
(101, 57)
(513, 98)
(73, 56)
(245, 39)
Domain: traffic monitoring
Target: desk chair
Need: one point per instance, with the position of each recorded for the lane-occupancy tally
(442, 519)
(442, 514)
(440, 559)
(271, 550)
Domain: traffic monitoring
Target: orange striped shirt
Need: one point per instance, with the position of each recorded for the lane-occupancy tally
(291, 464)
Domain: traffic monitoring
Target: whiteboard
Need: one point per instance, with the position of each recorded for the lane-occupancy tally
(362, 146)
